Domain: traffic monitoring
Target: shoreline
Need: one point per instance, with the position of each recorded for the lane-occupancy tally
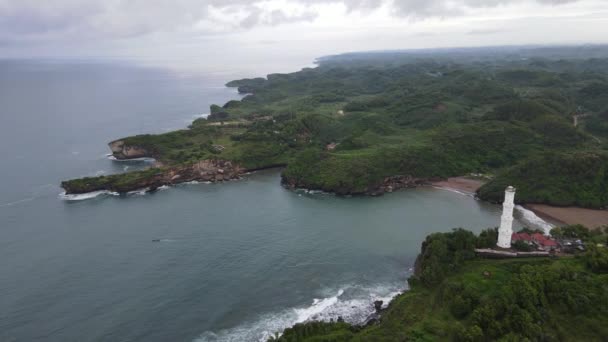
(461, 184)
(590, 218)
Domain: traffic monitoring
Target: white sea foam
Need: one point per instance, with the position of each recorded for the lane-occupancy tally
(299, 191)
(530, 218)
(139, 192)
(86, 196)
(353, 303)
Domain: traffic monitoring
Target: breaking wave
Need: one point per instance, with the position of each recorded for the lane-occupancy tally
(529, 217)
(139, 192)
(86, 196)
(353, 303)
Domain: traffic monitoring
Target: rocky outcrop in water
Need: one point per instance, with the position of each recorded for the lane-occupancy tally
(123, 151)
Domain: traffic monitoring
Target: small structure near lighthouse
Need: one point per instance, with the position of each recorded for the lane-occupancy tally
(506, 220)
(505, 235)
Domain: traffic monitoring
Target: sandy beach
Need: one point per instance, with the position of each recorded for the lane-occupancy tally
(460, 184)
(589, 218)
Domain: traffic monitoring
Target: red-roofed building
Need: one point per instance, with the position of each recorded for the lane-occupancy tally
(544, 242)
(550, 243)
(521, 237)
(538, 238)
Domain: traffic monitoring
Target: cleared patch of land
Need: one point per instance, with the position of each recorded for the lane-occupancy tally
(460, 183)
(590, 218)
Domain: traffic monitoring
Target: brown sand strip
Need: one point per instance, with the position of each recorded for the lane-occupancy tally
(460, 183)
(571, 215)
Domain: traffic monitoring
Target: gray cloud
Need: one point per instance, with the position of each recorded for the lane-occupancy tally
(485, 31)
(93, 19)
(257, 17)
(446, 8)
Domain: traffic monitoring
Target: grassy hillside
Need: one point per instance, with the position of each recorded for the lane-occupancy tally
(457, 297)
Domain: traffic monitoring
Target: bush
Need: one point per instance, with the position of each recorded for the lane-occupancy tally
(522, 246)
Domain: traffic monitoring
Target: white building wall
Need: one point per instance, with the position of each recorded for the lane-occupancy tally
(506, 220)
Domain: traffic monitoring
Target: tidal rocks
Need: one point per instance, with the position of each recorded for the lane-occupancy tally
(378, 305)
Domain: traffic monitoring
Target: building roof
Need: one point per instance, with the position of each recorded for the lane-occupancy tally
(520, 236)
(538, 237)
(549, 243)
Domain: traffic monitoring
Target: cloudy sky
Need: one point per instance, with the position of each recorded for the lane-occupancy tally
(222, 31)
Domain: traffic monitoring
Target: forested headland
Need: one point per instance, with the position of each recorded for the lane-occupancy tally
(356, 120)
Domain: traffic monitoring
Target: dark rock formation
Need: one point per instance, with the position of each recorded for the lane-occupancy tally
(398, 182)
(122, 151)
(378, 305)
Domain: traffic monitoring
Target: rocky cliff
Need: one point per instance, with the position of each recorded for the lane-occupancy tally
(122, 151)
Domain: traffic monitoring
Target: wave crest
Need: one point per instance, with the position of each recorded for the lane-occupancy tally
(353, 303)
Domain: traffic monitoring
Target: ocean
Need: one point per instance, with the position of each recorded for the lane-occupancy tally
(237, 261)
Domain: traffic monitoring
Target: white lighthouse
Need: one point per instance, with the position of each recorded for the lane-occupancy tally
(506, 220)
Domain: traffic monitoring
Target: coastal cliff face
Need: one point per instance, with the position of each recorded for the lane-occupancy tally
(208, 170)
(122, 151)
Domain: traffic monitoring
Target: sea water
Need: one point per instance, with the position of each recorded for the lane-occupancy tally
(237, 261)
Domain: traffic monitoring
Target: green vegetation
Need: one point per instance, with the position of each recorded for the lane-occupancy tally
(117, 183)
(358, 118)
(455, 296)
(562, 179)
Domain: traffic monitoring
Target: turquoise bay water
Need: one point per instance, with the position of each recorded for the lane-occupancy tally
(233, 261)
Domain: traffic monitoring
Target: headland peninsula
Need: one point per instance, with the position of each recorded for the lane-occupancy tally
(370, 123)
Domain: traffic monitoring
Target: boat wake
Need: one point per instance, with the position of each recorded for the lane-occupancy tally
(10, 204)
(36, 192)
(353, 303)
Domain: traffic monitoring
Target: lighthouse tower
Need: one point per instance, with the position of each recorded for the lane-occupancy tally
(506, 220)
